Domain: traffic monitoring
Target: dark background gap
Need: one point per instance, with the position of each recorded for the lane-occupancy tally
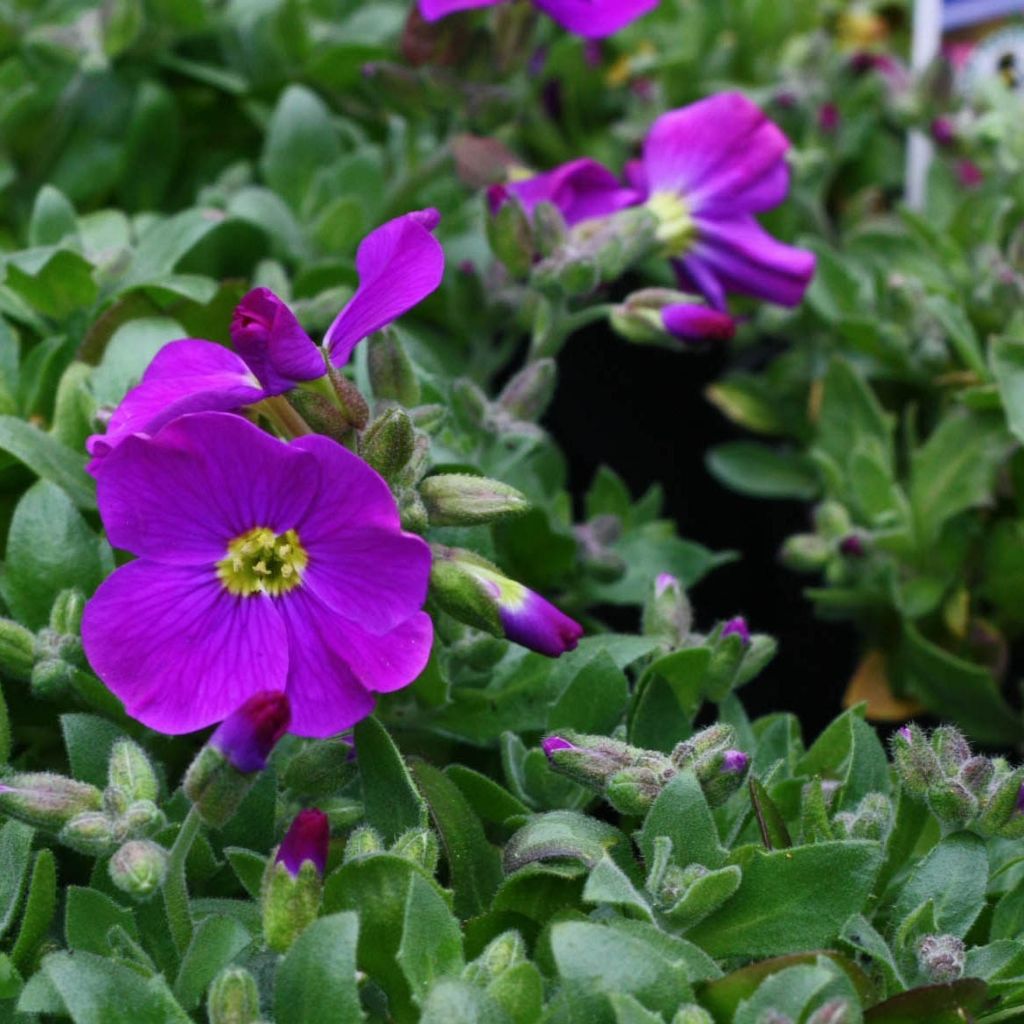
(642, 411)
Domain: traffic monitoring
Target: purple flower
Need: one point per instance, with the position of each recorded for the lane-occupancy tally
(307, 839)
(581, 189)
(969, 174)
(905, 734)
(828, 117)
(943, 131)
(248, 735)
(399, 264)
(589, 18)
(261, 566)
(552, 743)
(734, 762)
(694, 323)
(738, 627)
(852, 546)
(663, 582)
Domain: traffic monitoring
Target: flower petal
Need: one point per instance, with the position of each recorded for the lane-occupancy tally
(595, 18)
(387, 661)
(361, 564)
(399, 265)
(714, 149)
(581, 189)
(273, 343)
(185, 376)
(745, 258)
(177, 648)
(203, 480)
(432, 10)
(692, 322)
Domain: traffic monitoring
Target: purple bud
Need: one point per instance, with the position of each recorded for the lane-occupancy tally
(852, 546)
(306, 840)
(734, 762)
(943, 131)
(739, 627)
(497, 196)
(692, 323)
(664, 581)
(828, 117)
(552, 743)
(248, 735)
(969, 174)
(905, 734)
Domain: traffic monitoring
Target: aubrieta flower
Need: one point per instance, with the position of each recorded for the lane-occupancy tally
(262, 566)
(695, 324)
(399, 264)
(707, 170)
(591, 19)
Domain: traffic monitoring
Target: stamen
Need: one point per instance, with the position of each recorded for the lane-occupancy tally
(262, 562)
(676, 230)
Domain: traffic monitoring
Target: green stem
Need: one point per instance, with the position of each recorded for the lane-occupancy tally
(179, 916)
(284, 417)
(548, 341)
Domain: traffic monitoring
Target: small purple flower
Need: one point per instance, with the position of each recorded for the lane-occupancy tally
(734, 762)
(852, 546)
(828, 118)
(737, 626)
(969, 174)
(261, 566)
(905, 734)
(399, 264)
(943, 131)
(591, 19)
(663, 582)
(693, 323)
(248, 735)
(552, 743)
(307, 839)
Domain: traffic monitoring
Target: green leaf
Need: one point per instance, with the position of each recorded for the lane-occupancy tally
(474, 864)
(492, 802)
(48, 458)
(850, 415)
(953, 1003)
(98, 991)
(217, 940)
(788, 899)
(594, 699)
(793, 992)
(53, 218)
(681, 812)
(89, 916)
(248, 867)
(15, 853)
(5, 730)
(456, 1002)
(393, 804)
(960, 856)
(129, 351)
(40, 907)
(89, 740)
(774, 833)
(561, 834)
(962, 336)
(316, 982)
(608, 883)
(50, 548)
(762, 472)
(1007, 358)
(849, 752)
(431, 940)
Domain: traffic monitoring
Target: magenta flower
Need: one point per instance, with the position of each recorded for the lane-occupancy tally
(591, 19)
(707, 170)
(694, 323)
(734, 762)
(399, 265)
(737, 627)
(550, 744)
(248, 735)
(307, 839)
(261, 566)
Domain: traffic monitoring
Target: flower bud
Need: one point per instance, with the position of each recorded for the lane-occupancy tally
(293, 884)
(550, 231)
(633, 790)
(51, 678)
(46, 800)
(469, 401)
(510, 237)
(350, 401)
(695, 324)
(234, 998)
(473, 591)
(138, 868)
(501, 954)
(831, 520)
(774, 1017)
(941, 957)
(130, 771)
(528, 394)
(388, 443)
(142, 818)
(458, 499)
(392, 377)
(916, 762)
(92, 833)
(66, 612)
(953, 804)
(17, 650)
(1002, 804)
(976, 773)
(736, 627)
(321, 414)
(721, 775)
(363, 842)
(952, 749)
(691, 1013)
(420, 846)
(871, 820)
(943, 131)
(805, 552)
(225, 769)
(667, 613)
(835, 1011)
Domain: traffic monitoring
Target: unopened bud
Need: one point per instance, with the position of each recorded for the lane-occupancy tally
(392, 377)
(501, 954)
(774, 1017)
(363, 842)
(916, 762)
(66, 612)
(952, 748)
(549, 228)
(388, 442)
(832, 520)
(694, 323)
(720, 776)
(953, 804)
(976, 773)
(510, 237)
(941, 957)
(142, 818)
(138, 868)
(736, 627)
(17, 650)
(667, 613)
(293, 884)
(130, 771)
(420, 846)
(51, 678)
(805, 552)
(458, 499)
(92, 833)
(1002, 805)
(691, 1013)
(633, 790)
(225, 769)
(46, 800)
(234, 998)
(321, 414)
(871, 820)
(350, 399)
(469, 401)
(528, 394)
(835, 1011)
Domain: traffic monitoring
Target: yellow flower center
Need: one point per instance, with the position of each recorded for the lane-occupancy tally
(263, 562)
(676, 230)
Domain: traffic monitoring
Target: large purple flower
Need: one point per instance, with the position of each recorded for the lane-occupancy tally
(399, 265)
(261, 566)
(707, 170)
(589, 18)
